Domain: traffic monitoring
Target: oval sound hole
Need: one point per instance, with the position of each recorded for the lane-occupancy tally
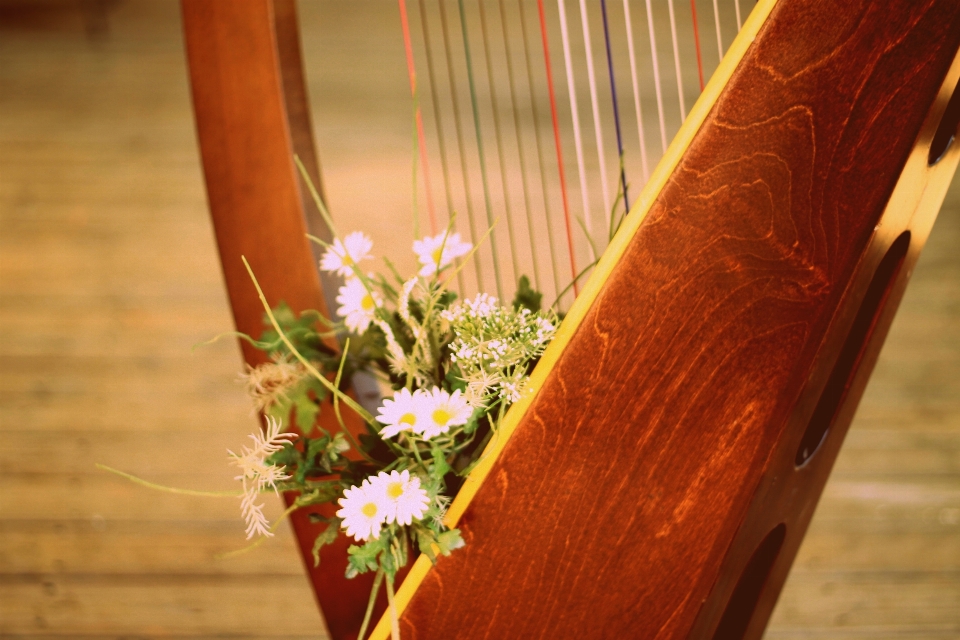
(947, 131)
(846, 365)
(736, 617)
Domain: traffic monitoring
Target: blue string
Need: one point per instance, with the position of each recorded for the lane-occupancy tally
(616, 110)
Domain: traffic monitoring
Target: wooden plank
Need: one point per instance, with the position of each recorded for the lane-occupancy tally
(873, 454)
(94, 138)
(142, 547)
(77, 605)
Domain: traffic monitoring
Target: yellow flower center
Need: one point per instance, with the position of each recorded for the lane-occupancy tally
(442, 416)
(437, 253)
(408, 418)
(367, 303)
(347, 260)
(369, 509)
(395, 490)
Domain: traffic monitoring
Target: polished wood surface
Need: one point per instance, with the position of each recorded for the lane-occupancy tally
(659, 455)
(110, 274)
(242, 81)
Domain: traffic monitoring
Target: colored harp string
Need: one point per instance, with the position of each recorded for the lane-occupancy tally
(512, 88)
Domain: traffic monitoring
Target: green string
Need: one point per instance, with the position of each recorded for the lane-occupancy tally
(499, 139)
(483, 167)
(459, 129)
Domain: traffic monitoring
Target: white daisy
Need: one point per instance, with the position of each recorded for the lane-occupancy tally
(443, 410)
(363, 511)
(341, 256)
(403, 498)
(439, 251)
(357, 305)
(402, 413)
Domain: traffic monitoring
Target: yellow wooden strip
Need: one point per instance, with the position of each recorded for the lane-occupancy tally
(592, 288)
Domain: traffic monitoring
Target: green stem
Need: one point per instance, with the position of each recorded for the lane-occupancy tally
(373, 598)
(160, 487)
(259, 541)
(316, 196)
(569, 286)
(394, 623)
(336, 406)
(363, 413)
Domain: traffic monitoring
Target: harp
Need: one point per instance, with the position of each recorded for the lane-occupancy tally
(721, 344)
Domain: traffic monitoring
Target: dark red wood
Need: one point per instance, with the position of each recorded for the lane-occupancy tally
(252, 116)
(659, 455)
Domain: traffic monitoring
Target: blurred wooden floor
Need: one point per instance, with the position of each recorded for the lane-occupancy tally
(108, 276)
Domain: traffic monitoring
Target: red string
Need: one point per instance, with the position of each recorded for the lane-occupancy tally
(696, 39)
(421, 139)
(556, 137)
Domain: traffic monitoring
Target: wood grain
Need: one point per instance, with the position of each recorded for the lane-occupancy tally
(252, 119)
(109, 274)
(655, 455)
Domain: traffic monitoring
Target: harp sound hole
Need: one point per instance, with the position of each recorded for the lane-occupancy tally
(947, 131)
(736, 617)
(845, 367)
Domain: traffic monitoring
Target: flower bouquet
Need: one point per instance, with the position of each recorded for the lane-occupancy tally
(448, 369)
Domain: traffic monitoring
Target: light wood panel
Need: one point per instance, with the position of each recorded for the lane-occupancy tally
(108, 275)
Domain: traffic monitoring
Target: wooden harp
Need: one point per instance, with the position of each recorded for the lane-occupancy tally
(703, 381)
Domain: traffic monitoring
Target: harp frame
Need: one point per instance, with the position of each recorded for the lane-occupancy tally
(265, 86)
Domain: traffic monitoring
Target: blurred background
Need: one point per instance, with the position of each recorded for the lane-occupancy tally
(109, 277)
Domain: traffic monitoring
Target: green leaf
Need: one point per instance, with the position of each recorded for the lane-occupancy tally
(454, 379)
(326, 537)
(527, 297)
(449, 540)
(440, 467)
(306, 412)
(474, 420)
(302, 332)
(425, 540)
(364, 558)
(319, 493)
(389, 564)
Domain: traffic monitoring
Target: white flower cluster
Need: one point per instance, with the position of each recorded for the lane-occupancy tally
(482, 306)
(257, 475)
(358, 302)
(425, 413)
(386, 498)
(492, 346)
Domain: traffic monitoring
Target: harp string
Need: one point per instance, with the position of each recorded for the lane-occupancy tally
(656, 78)
(483, 167)
(438, 122)
(458, 127)
(631, 49)
(716, 22)
(508, 210)
(539, 143)
(736, 6)
(421, 138)
(574, 111)
(696, 41)
(645, 75)
(595, 106)
(616, 108)
(519, 138)
(556, 137)
(676, 59)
